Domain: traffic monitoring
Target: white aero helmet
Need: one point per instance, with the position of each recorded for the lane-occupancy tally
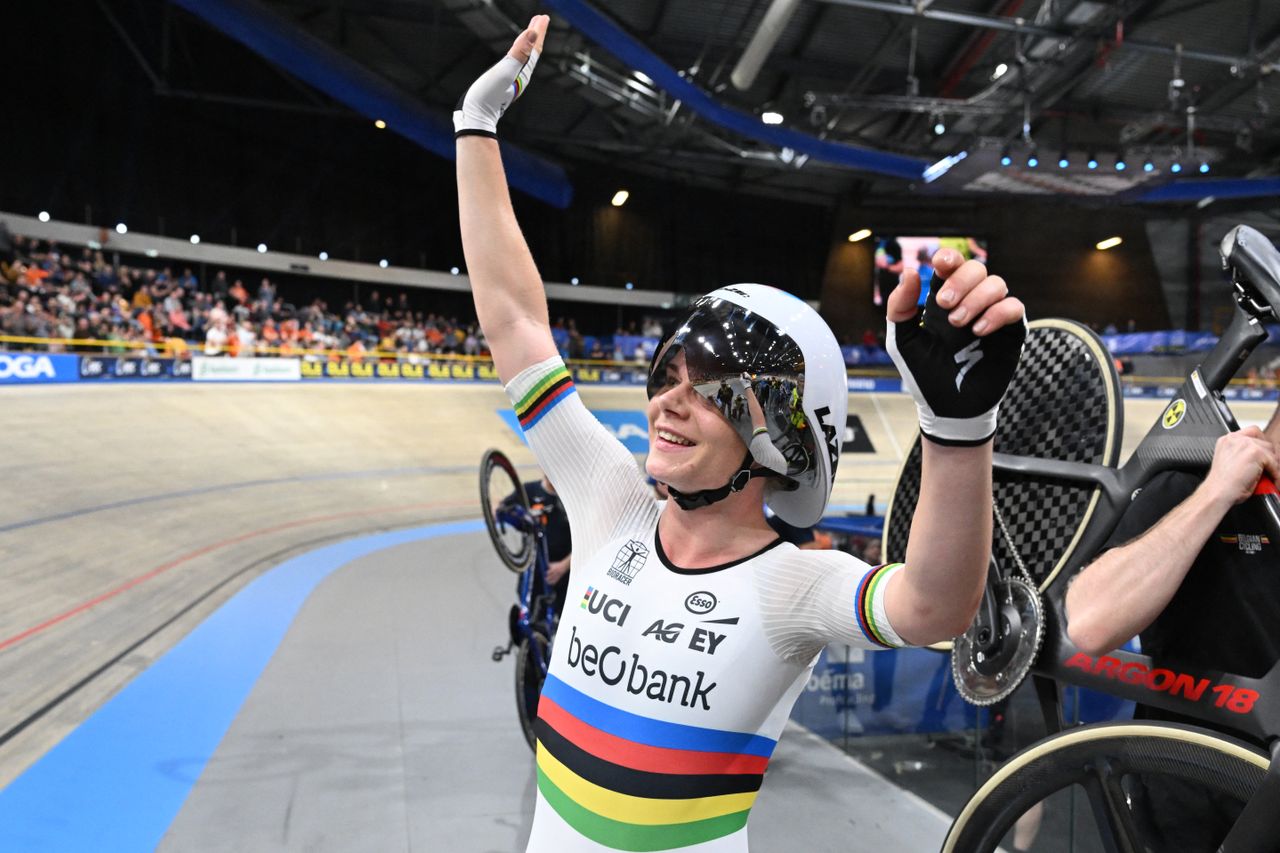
(756, 337)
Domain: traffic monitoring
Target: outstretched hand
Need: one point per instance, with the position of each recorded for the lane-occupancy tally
(959, 354)
(494, 91)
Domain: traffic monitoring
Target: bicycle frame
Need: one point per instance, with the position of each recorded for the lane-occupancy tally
(536, 612)
(1185, 442)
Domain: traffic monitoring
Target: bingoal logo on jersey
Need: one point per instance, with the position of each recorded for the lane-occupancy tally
(629, 562)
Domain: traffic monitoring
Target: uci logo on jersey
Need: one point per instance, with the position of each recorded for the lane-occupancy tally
(612, 609)
(1173, 415)
(700, 603)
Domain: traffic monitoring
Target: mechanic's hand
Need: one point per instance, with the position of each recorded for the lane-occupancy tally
(557, 569)
(484, 103)
(1239, 459)
(958, 355)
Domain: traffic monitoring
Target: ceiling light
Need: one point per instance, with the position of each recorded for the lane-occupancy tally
(939, 126)
(574, 281)
(454, 270)
(121, 228)
(262, 247)
(1109, 243)
(152, 253)
(380, 124)
(1205, 202)
(195, 239)
(771, 117)
(1093, 162)
(1000, 71)
(1175, 168)
(1032, 161)
(1204, 168)
(383, 263)
(324, 256)
(1121, 165)
(1006, 160)
(860, 234)
(1148, 166)
(620, 198)
(43, 216)
(1064, 161)
(644, 78)
(630, 286)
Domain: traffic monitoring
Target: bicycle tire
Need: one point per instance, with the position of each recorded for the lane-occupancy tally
(1097, 757)
(517, 559)
(531, 672)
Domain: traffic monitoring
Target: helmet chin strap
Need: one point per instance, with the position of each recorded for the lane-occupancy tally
(738, 482)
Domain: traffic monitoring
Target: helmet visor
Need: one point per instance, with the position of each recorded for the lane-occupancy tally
(747, 368)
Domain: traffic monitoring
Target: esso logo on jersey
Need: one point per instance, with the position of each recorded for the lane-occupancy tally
(700, 603)
(26, 367)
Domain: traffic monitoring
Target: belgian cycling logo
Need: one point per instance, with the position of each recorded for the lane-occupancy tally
(629, 562)
(1249, 543)
(1173, 415)
(700, 603)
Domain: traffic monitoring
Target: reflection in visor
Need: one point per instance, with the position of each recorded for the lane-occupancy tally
(729, 350)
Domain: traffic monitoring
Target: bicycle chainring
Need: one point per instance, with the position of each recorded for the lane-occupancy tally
(984, 677)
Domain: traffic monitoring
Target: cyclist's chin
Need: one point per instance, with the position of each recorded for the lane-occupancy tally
(687, 472)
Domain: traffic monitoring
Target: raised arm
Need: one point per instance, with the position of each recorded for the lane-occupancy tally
(509, 298)
(956, 360)
(1122, 592)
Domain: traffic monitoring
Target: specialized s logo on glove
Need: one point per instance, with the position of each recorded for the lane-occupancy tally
(484, 103)
(956, 377)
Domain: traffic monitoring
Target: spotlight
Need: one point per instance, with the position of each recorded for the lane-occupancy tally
(1005, 159)
(1121, 165)
(262, 247)
(454, 270)
(1109, 243)
(1033, 161)
(939, 126)
(1204, 168)
(380, 124)
(1148, 166)
(1093, 162)
(630, 286)
(121, 228)
(859, 235)
(1064, 161)
(620, 198)
(43, 216)
(1176, 168)
(195, 239)
(383, 263)
(771, 117)
(324, 256)
(1000, 71)
(574, 281)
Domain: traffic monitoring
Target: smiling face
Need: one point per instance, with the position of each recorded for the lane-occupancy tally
(691, 445)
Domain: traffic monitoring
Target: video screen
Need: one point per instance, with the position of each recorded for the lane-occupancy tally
(897, 254)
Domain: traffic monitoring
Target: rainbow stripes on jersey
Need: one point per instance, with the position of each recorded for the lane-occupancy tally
(865, 608)
(633, 783)
(544, 395)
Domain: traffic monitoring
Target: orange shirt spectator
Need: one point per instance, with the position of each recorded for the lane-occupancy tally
(233, 342)
(355, 352)
(238, 293)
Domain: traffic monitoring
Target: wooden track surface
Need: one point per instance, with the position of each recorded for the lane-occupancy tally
(132, 511)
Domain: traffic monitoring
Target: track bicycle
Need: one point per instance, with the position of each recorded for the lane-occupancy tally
(516, 530)
(1058, 495)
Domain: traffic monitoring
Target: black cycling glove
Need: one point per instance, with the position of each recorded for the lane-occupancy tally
(956, 377)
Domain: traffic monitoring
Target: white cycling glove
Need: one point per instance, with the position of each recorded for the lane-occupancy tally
(956, 378)
(484, 103)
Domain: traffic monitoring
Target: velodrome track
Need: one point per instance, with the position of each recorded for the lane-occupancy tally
(133, 512)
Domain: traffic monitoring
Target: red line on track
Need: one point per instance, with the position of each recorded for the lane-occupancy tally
(199, 552)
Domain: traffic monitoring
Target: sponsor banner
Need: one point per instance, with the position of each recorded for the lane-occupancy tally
(459, 371)
(875, 383)
(245, 369)
(629, 427)
(856, 439)
(20, 368)
(96, 367)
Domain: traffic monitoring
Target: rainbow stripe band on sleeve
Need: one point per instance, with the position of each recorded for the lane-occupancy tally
(865, 604)
(633, 783)
(544, 396)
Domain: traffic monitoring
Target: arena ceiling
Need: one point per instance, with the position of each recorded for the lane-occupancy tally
(868, 93)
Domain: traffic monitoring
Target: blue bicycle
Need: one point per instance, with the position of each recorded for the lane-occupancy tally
(516, 531)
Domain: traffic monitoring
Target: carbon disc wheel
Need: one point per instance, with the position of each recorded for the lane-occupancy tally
(986, 672)
(499, 486)
(532, 660)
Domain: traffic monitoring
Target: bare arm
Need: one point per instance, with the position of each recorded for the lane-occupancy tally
(1122, 592)
(509, 298)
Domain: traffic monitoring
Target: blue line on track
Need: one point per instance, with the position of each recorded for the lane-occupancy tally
(118, 780)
